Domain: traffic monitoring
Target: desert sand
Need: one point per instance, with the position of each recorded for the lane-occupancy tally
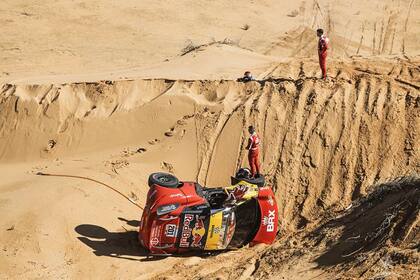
(115, 90)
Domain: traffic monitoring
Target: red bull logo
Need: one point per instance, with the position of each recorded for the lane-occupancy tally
(186, 231)
(192, 233)
(198, 232)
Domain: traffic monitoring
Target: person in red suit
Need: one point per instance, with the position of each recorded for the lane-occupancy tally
(253, 148)
(322, 51)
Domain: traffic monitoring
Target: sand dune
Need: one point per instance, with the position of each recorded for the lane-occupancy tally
(115, 91)
(102, 38)
(324, 144)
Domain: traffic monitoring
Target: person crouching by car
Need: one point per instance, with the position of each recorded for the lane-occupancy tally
(253, 148)
(247, 77)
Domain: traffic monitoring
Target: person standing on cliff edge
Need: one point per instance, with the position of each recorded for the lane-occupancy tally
(322, 51)
(253, 148)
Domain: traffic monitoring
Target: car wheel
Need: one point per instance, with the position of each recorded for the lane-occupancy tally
(163, 179)
(259, 181)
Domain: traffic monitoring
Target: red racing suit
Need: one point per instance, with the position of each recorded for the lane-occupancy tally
(254, 150)
(322, 54)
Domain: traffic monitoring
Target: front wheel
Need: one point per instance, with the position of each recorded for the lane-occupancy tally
(163, 179)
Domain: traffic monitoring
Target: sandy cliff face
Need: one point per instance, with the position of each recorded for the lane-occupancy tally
(323, 143)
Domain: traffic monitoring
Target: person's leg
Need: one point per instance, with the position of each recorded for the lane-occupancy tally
(257, 164)
(251, 163)
(323, 62)
(320, 64)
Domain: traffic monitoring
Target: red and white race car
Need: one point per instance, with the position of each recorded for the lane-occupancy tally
(183, 216)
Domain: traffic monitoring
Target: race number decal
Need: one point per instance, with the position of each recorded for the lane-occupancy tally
(170, 230)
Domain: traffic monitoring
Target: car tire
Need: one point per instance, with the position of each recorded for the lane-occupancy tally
(163, 179)
(259, 181)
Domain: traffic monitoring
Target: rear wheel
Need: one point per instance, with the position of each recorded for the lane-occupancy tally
(163, 179)
(259, 181)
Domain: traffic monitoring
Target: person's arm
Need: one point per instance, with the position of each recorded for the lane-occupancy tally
(249, 143)
(323, 46)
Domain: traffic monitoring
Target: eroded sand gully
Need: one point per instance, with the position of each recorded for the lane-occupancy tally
(325, 144)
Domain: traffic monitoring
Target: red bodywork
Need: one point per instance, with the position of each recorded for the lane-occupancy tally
(164, 234)
(269, 217)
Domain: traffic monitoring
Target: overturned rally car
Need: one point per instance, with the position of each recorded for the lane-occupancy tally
(181, 217)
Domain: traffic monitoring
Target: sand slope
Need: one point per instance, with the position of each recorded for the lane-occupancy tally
(324, 144)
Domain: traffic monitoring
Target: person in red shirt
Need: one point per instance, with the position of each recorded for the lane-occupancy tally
(322, 51)
(253, 152)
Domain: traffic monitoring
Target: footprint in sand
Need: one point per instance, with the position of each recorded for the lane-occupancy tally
(167, 166)
(37, 169)
(170, 133)
(128, 152)
(181, 122)
(117, 164)
(153, 142)
(133, 196)
(51, 144)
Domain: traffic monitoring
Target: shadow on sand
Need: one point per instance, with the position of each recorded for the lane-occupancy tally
(123, 245)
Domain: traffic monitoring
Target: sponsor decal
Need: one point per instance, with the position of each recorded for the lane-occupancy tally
(229, 234)
(271, 201)
(156, 231)
(192, 232)
(238, 192)
(198, 232)
(229, 226)
(186, 231)
(164, 209)
(154, 242)
(176, 195)
(190, 211)
(214, 230)
(269, 221)
(155, 235)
